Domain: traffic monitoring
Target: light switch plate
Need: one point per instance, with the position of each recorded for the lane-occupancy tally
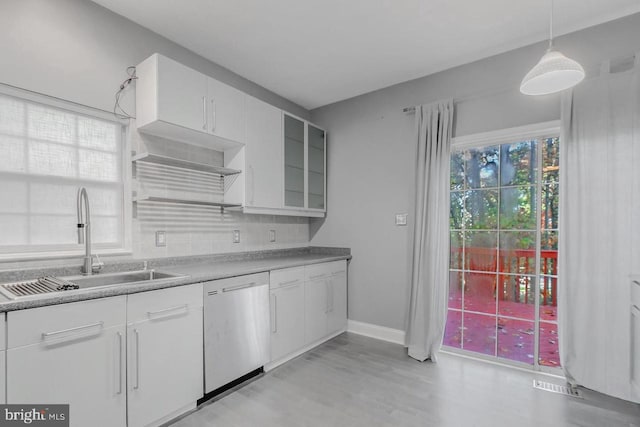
(161, 238)
(272, 235)
(236, 236)
(401, 219)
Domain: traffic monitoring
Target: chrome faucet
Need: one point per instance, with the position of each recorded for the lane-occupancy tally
(84, 234)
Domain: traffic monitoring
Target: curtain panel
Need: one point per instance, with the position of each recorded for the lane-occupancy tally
(430, 256)
(599, 238)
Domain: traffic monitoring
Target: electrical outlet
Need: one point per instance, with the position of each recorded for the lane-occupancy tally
(272, 235)
(401, 219)
(161, 238)
(236, 236)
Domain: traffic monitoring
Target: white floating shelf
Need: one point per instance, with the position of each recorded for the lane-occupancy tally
(147, 198)
(185, 164)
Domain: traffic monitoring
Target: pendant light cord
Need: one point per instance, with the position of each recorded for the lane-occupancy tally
(551, 27)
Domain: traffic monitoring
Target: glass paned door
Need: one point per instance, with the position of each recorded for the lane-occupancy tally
(316, 167)
(294, 179)
(503, 263)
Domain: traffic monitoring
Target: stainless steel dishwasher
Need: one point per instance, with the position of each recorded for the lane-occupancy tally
(236, 328)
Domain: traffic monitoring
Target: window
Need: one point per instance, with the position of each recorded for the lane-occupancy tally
(49, 149)
(504, 234)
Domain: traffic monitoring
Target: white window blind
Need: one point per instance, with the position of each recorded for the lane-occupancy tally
(46, 154)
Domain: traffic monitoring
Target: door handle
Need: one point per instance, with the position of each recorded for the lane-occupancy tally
(137, 339)
(204, 113)
(119, 363)
(238, 287)
(274, 314)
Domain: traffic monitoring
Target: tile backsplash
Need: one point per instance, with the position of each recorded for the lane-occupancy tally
(197, 230)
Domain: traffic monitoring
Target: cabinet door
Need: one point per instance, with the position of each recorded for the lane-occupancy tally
(294, 160)
(635, 352)
(316, 307)
(226, 111)
(263, 154)
(337, 315)
(165, 368)
(316, 168)
(84, 370)
(287, 320)
(182, 95)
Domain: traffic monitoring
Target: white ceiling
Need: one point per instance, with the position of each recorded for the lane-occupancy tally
(318, 52)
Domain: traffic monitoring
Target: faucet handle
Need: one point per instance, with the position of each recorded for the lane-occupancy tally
(97, 265)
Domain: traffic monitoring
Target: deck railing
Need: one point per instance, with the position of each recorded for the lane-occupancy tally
(516, 268)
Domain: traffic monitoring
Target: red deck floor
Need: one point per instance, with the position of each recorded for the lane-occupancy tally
(515, 336)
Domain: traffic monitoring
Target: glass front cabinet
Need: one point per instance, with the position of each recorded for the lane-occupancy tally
(304, 166)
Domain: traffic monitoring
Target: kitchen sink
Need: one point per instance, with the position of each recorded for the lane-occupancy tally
(46, 285)
(98, 280)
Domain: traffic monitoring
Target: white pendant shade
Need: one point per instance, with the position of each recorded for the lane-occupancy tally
(554, 73)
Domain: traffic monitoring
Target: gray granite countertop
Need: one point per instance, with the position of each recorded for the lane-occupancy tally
(194, 269)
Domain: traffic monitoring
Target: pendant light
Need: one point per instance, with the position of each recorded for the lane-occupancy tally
(553, 73)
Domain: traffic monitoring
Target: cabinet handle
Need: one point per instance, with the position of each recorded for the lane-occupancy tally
(326, 293)
(335, 273)
(238, 287)
(253, 186)
(137, 338)
(318, 276)
(49, 335)
(331, 300)
(274, 315)
(289, 282)
(204, 113)
(119, 363)
(168, 312)
(213, 115)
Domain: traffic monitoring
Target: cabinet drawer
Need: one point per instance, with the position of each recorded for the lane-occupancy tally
(286, 277)
(64, 321)
(324, 270)
(163, 302)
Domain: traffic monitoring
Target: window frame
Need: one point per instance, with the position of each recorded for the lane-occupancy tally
(33, 252)
(504, 136)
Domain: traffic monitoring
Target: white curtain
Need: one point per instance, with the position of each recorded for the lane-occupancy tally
(599, 224)
(429, 272)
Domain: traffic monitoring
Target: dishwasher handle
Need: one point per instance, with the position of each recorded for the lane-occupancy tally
(239, 287)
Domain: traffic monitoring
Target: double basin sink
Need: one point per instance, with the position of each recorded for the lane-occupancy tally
(45, 285)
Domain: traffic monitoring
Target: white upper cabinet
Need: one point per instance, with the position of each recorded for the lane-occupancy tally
(226, 111)
(304, 167)
(176, 102)
(263, 168)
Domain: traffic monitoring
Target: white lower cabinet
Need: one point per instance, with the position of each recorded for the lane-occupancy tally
(3, 358)
(287, 311)
(70, 354)
(308, 305)
(316, 306)
(337, 314)
(325, 299)
(164, 354)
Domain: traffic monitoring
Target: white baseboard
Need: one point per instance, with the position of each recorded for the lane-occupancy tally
(383, 333)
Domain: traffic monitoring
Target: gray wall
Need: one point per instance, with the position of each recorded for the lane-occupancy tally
(78, 51)
(371, 155)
